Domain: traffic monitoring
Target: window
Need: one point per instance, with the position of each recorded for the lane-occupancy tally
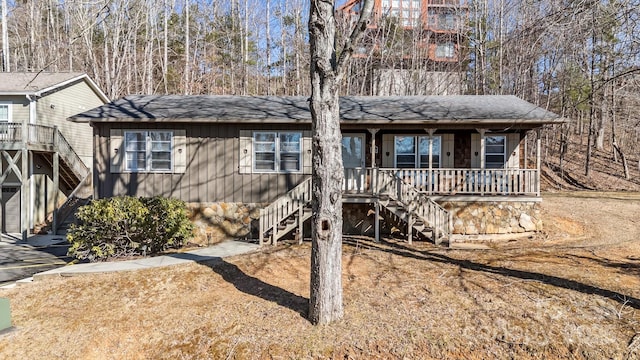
(148, 150)
(413, 151)
(495, 151)
(446, 50)
(5, 117)
(277, 152)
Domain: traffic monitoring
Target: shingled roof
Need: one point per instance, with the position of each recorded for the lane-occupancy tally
(353, 110)
(38, 83)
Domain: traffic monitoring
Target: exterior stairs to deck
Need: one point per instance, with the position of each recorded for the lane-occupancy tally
(398, 217)
(286, 214)
(402, 205)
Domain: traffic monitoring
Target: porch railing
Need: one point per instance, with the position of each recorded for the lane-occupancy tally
(451, 181)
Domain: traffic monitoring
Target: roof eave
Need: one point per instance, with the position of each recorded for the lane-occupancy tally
(84, 77)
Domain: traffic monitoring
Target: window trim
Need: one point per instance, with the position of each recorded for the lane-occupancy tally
(277, 153)
(8, 104)
(416, 152)
(148, 152)
(504, 153)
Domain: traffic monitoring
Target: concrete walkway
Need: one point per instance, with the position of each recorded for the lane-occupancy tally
(36, 254)
(223, 249)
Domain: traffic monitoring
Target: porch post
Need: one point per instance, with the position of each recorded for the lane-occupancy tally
(24, 185)
(482, 148)
(373, 133)
(56, 181)
(526, 138)
(538, 151)
(373, 176)
(376, 226)
(430, 174)
(483, 184)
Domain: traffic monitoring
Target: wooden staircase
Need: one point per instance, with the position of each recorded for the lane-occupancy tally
(286, 214)
(404, 203)
(401, 204)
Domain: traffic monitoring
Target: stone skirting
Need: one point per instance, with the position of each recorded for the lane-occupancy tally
(218, 221)
(494, 217)
(215, 222)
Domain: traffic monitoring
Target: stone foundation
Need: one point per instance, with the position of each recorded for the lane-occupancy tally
(215, 222)
(494, 217)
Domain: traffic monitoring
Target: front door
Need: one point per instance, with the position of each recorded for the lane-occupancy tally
(353, 161)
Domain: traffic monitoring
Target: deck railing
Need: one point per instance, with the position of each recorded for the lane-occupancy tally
(451, 181)
(44, 136)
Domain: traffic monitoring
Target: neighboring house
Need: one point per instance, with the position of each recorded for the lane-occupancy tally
(411, 47)
(432, 164)
(44, 157)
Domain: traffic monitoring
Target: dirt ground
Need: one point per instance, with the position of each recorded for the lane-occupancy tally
(572, 292)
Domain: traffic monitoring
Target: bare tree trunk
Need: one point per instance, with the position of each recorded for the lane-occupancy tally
(187, 49)
(325, 303)
(5, 39)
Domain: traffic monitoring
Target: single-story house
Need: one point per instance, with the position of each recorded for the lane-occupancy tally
(44, 159)
(430, 165)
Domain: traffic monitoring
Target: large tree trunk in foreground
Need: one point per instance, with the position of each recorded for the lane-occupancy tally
(325, 303)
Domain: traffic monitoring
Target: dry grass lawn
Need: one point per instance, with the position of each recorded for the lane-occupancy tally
(572, 292)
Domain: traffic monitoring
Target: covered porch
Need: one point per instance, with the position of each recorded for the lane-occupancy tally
(444, 163)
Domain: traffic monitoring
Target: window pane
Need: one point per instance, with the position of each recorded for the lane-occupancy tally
(265, 161)
(161, 146)
(262, 147)
(160, 164)
(136, 160)
(161, 156)
(290, 162)
(268, 137)
(495, 151)
(405, 145)
(160, 135)
(495, 140)
(4, 112)
(406, 161)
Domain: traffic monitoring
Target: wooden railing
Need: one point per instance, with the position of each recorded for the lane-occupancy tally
(416, 203)
(71, 157)
(451, 181)
(44, 136)
(284, 207)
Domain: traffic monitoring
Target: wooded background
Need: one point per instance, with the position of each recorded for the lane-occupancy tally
(578, 58)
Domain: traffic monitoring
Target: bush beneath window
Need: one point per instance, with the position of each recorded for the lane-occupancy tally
(128, 226)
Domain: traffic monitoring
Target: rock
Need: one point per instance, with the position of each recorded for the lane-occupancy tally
(526, 222)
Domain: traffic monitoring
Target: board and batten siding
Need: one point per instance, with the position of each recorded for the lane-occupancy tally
(212, 166)
(448, 147)
(54, 108)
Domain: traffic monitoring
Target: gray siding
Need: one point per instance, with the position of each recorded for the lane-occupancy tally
(211, 175)
(54, 109)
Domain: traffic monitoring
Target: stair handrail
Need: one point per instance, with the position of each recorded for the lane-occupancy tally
(79, 168)
(283, 207)
(417, 203)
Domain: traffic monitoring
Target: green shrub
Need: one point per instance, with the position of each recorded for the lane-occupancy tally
(128, 226)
